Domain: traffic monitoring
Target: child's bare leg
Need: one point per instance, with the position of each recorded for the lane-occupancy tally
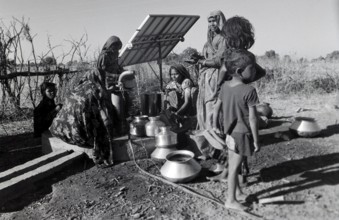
(241, 196)
(233, 167)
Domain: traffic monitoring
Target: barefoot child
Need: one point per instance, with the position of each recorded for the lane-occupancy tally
(239, 34)
(238, 101)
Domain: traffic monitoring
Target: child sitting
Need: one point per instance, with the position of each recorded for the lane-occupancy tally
(46, 111)
(189, 96)
(238, 101)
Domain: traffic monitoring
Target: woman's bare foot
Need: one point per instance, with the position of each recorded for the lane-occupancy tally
(218, 178)
(235, 205)
(217, 168)
(241, 196)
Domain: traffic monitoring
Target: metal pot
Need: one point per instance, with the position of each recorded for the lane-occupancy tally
(137, 126)
(166, 138)
(161, 152)
(153, 126)
(151, 104)
(305, 127)
(180, 166)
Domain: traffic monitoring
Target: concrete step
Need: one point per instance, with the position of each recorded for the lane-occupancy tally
(33, 164)
(15, 187)
(142, 147)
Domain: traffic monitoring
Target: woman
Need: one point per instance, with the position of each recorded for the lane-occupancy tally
(108, 61)
(208, 78)
(180, 99)
(88, 118)
(173, 100)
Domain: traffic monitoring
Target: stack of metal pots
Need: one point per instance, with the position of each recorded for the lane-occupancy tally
(153, 126)
(165, 143)
(137, 126)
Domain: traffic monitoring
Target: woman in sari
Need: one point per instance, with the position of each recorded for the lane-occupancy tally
(208, 78)
(88, 118)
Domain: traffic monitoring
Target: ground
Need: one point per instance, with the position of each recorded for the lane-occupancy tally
(304, 170)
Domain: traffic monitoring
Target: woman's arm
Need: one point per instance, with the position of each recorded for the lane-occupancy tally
(216, 112)
(211, 63)
(254, 126)
(187, 100)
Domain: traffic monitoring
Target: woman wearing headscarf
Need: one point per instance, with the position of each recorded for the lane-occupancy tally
(88, 118)
(108, 61)
(208, 78)
(177, 73)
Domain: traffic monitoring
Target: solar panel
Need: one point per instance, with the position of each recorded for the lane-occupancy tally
(155, 38)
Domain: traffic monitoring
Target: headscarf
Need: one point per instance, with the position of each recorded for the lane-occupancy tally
(221, 20)
(111, 40)
(105, 62)
(181, 70)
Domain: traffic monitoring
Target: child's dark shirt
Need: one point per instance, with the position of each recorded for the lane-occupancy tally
(236, 101)
(44, 114)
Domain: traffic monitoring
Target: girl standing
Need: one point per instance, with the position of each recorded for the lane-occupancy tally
(238, 101)
(239, 34)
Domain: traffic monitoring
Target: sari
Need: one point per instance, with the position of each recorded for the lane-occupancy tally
(88, 118)
(208, 77)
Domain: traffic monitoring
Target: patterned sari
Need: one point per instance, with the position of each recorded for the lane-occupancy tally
(87, 117)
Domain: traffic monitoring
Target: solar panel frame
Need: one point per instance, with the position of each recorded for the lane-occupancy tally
(155, 38)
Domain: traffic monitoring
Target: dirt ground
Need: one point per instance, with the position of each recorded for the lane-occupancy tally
(304, 170)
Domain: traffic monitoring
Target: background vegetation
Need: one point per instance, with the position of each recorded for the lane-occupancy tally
(19, 95)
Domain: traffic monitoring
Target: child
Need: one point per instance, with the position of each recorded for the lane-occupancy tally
(238, 101)
(46, 111)
(239, 34)
(189, 96)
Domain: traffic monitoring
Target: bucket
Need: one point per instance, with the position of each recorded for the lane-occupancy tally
(151, 104)
(120, 105)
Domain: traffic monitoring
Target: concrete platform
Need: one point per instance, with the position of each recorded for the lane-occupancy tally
(31, 165)
(16, 181)
(142, 147)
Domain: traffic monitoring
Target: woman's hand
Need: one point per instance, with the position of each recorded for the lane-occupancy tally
(256, 147)
(216, 130)
(58, 107)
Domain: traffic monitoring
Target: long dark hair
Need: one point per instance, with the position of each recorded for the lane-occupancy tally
(239, 33)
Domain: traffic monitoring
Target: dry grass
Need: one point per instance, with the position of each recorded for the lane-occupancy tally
(296, 77)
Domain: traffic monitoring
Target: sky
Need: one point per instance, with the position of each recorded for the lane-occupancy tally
(299, 28)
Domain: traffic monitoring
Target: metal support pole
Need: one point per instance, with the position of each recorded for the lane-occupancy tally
(160, 66)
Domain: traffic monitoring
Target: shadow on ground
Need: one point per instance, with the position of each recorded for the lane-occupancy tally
(43, 187)
(330, 130)
(18, 149)
(304, 173)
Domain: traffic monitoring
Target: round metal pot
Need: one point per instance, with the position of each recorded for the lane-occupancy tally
(161, 152)
(166, 138)
(305, 127)
(153, 126)
(137, 126)
(180, 167)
